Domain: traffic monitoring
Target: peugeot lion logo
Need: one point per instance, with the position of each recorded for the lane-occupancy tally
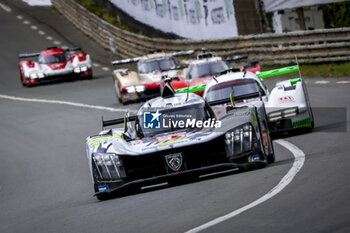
(174, 161)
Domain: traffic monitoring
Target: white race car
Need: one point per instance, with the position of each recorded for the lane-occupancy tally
(54, 63)
(287, 105)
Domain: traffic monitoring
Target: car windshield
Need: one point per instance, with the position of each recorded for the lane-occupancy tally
(162, 64)
(57, 58)
(241, 88)
(170, 119)
(206, 69)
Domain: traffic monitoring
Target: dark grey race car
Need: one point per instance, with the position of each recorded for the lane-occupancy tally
(175, 136)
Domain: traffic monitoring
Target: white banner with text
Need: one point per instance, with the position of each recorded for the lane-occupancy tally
(194, 19)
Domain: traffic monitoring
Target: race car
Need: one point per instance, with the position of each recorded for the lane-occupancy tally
(287, 106)
(175, 137)
(204, 68)
(144, 84)
(54, 63)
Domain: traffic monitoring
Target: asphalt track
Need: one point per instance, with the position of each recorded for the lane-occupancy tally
(45, 184)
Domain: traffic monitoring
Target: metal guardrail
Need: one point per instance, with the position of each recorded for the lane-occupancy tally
(317, 46)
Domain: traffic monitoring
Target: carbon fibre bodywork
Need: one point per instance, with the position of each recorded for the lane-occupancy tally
(135, 156)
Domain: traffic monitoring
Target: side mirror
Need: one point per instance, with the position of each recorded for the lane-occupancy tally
(126, 121)
(181, 67)
(232, 98)
(236, 58)
(129, 133)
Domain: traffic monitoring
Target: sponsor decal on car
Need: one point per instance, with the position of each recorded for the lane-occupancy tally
(253, 158)
(97, 140)
(286, 99)
(103, 188)
(171, 138)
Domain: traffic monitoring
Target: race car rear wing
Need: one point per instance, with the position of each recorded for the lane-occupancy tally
(236, 58)
(74, 49)
(26, 55)
(136, 59)
(117, 121)
(125, 61)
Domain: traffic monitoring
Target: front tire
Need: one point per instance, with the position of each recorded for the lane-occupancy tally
(103, 197)
(117, 91)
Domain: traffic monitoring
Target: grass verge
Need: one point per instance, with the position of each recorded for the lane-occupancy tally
(321, 70)
(102, 13)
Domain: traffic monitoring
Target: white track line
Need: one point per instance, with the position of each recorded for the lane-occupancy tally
(41, 32)
(56, 42)
(19, 17)
(49, 38)
(34, 27)
(322, 82)
(5, 8)
(105, 68)
(67, 103)
(297, 165)
(26, 22)
(343, 82)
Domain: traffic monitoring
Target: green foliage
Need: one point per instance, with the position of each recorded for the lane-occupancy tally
(103, 13)
(336, 15)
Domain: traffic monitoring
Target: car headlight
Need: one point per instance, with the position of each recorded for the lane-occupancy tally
(83, 68)
(140, 88)
(130, 89)
(241, 139)
(108, 166)
(37, 75)
(76, 70)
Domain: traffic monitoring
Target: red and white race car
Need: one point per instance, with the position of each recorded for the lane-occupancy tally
(54, 63)
(201, 70)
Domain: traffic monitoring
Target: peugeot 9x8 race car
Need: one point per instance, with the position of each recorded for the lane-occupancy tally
(54, 63)
(144, 84)
(287, 106)
(174, 137)
(203, 69)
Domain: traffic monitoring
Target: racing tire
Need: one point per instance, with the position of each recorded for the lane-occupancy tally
(103, 197)
(312, 118)
(117, 92)
(22, 79)
(271, 158)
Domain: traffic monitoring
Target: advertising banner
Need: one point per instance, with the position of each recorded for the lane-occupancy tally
(194, 19)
